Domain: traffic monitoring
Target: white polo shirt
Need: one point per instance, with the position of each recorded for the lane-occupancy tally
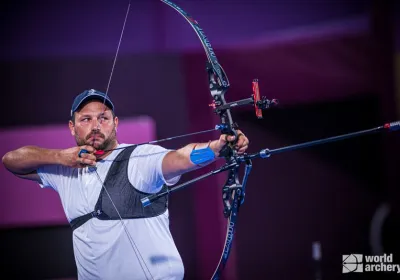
(103, 249)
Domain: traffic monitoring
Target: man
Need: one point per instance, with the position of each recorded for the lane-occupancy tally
(101, 183)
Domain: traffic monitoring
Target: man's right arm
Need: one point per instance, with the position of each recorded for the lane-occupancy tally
(24, 162)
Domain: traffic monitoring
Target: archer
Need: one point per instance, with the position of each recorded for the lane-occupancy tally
(101, 182)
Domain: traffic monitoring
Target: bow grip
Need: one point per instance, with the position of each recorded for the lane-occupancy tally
(227, 149)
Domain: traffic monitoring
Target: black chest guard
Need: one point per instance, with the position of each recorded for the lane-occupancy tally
(126, 197)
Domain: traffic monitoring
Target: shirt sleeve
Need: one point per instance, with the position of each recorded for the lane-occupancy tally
(145, 168)
(51, 176)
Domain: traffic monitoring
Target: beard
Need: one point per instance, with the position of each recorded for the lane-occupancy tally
(105, 145)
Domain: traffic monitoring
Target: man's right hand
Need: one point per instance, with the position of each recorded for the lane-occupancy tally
(24, 162)
(70, 157)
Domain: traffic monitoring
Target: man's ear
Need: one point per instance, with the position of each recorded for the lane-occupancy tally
(116, 123)
(71, 127)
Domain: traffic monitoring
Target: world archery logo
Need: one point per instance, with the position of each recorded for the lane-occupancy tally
(352, 263)
(364, 263)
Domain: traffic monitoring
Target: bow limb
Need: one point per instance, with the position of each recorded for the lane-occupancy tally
(218, 80)
(231, 195)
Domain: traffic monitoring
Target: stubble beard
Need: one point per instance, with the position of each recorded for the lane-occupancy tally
(107, 144)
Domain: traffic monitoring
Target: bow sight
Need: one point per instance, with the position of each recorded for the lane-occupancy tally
(259, 103)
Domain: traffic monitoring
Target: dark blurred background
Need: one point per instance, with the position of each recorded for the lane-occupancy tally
(334, 66)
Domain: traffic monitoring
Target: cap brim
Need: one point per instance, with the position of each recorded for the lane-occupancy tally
(93, 96)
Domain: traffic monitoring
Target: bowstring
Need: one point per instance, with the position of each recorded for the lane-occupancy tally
(132, 242)
(116, 54)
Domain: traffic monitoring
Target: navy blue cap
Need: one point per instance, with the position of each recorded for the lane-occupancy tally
(90, 95)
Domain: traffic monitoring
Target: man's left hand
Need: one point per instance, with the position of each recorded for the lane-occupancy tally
(241, 145)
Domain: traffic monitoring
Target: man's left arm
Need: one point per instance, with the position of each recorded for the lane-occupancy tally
(178, 162)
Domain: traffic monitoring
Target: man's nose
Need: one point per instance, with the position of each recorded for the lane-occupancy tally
(96, 124)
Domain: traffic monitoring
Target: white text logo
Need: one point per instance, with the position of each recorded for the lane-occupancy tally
(361, 263)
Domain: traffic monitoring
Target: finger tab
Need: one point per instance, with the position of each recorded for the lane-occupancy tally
(83, 151)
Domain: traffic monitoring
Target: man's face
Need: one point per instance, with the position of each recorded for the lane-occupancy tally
(95, 126)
